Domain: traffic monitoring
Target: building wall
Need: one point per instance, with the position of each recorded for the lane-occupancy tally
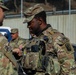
(18, 23)
(64, 23)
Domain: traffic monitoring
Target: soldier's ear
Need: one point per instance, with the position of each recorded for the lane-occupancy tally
(40, 21)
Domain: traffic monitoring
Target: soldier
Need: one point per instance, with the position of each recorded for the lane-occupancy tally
(8, 64)
(58, 58)
(17, 44)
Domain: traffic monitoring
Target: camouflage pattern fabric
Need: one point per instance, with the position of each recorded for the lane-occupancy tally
(40, 73)
(58, 58)
(31, 54)
(60, 53)
(6, 65)
(31, 60)
(17, 42)
(31, 12)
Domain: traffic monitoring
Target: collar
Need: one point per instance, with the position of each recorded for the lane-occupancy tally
(16, 39)
(48, 25)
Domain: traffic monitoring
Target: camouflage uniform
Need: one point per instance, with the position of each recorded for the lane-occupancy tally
(60, 52)
(17, 44)
(32, 60)
(59, 56)
(18, 41)
(6, 65)
(56, 54)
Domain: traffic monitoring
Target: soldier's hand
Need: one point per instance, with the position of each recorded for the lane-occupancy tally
(18, 51)
(20, 47)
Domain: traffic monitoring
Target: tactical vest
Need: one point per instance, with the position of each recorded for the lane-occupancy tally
(32, 55)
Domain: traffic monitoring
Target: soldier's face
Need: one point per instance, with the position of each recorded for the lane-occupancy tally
(14, 36)
(1, 16)
(34, 26)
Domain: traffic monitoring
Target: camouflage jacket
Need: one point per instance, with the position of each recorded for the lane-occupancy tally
(17, 42)
(7, 61)
(59, 46)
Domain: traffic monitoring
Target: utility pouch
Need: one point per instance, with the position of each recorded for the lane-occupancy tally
(30, 61)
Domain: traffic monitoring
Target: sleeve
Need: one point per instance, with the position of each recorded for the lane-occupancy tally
(6, 53)
(65, 55)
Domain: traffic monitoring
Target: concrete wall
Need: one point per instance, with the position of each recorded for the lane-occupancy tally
(64, 23)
